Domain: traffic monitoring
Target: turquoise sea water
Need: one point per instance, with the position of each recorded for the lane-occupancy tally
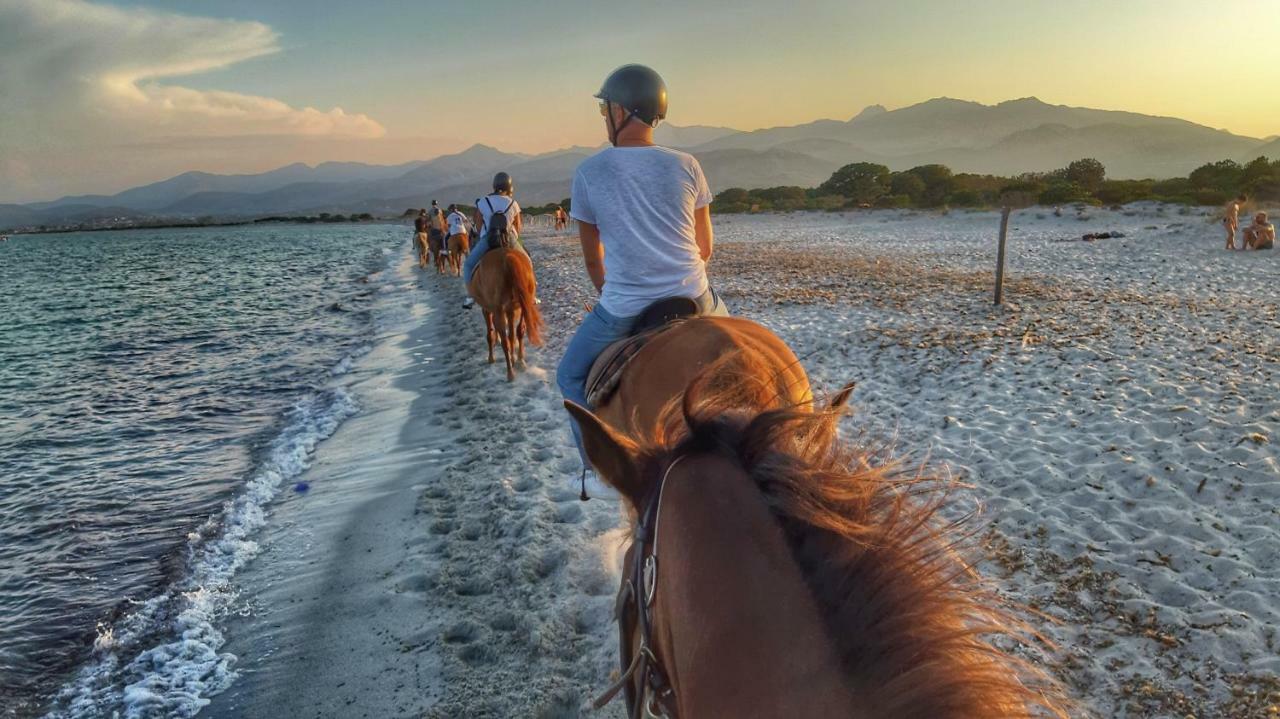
(156, 387)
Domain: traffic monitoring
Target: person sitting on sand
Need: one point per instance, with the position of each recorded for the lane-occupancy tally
(1261, 235)
(1231, 219)
(644, 222)
(500, 201)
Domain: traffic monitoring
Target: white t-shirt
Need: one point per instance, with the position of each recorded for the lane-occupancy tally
(457, 223)
(500, 203)
(643, 199)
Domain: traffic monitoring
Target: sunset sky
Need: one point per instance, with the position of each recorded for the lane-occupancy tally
(99, 97)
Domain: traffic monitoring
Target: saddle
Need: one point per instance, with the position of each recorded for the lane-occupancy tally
(606, 371)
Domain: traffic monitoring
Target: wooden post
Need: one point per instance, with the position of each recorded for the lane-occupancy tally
(1004, 233)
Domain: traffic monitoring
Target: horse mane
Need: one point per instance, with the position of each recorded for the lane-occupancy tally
(917, 629)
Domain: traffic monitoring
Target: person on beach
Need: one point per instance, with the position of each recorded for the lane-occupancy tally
(436, 228)
(457, 222)
(562, 220)
(500, 201)
(1231, 219)
(644, 221)
(420, 237)
(1261, 235)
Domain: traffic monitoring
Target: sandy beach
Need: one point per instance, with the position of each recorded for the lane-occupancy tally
(1117, 421)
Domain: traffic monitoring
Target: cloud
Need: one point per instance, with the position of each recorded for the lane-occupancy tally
(78, 74)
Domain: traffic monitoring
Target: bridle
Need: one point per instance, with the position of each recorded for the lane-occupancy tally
(656, 697)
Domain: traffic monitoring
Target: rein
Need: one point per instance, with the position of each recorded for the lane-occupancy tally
(656, 697)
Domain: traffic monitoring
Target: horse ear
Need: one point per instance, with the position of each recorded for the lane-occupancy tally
(612, 455)
(841, 398)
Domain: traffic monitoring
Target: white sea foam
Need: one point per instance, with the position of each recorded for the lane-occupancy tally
(164, 659)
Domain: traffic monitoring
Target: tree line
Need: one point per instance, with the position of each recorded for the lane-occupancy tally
(867, 184)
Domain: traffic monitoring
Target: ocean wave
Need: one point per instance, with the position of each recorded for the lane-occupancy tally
(162, 657)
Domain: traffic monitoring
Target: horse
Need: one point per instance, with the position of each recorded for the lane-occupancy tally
(422, 243)
(459, 246)
(504, 286)
(775, 571)
(439, 252)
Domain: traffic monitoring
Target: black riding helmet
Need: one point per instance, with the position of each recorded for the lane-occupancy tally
(502, 183)
(638, 90)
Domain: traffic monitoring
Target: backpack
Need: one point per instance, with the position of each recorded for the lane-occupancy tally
(497, 231)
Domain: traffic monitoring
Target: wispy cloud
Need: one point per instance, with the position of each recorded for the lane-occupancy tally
(76, 73)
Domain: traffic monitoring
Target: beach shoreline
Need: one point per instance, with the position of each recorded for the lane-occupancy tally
(1130, 491)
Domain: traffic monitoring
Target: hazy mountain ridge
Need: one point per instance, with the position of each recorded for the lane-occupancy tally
(1008, 138)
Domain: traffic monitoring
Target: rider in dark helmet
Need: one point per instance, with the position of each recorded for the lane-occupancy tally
(644, 221)
(639, 92)
(499, 202)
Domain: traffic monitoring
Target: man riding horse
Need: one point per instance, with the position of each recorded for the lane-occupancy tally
(644, 222)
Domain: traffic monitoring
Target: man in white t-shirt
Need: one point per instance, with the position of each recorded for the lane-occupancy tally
(644, 221)
(457, 221)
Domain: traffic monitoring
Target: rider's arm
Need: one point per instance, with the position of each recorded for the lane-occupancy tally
(702, 231)
(592, 253)
(519, 223)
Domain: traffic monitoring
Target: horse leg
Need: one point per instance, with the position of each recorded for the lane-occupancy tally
(488, 332)
(520, 334)
(504, 336)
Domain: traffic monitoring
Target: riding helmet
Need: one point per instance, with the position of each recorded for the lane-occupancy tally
(502, 182)
(638, 90)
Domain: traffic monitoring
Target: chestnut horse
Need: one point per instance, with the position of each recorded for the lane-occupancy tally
(459, 246)
(776, 572)
(439, 251)
(504, 287)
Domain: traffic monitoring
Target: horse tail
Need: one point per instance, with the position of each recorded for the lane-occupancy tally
(522, 283)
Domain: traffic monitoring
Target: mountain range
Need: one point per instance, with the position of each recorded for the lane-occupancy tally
(1008, 138)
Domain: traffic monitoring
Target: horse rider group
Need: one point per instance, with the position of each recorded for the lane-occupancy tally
(644, 223)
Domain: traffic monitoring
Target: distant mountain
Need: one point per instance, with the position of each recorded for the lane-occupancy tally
(676, 136)
(1008, 138)
(1011, 137)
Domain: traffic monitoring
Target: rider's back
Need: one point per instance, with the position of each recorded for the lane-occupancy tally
(642, 199)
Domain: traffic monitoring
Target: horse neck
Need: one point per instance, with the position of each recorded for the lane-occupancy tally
(735, 623)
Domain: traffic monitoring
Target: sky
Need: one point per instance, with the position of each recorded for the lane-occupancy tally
(98, 97)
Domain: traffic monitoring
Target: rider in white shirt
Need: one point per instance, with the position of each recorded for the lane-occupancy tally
(644, 221)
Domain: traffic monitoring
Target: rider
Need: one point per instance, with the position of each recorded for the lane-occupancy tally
(457, 221)
(498, 201)
(644, 221)
(420, 236)
(435, 219)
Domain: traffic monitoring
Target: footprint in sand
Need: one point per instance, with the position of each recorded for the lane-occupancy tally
(463, 632)
(415, 584)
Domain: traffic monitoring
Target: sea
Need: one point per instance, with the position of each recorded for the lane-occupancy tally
(159, 390)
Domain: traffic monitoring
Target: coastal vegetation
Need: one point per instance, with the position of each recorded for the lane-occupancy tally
(870, 185)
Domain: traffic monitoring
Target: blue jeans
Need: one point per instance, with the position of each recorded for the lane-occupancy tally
(478, 250)
(599, 330)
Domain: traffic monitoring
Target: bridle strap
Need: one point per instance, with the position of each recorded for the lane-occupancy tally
(640, 589)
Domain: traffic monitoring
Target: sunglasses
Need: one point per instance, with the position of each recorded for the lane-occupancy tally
(604, 108)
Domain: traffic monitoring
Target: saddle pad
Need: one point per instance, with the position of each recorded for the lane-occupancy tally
(606, 371)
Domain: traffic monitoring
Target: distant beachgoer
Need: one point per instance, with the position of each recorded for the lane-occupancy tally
(562, 219)
(420, 237)
(500, 202)
(644, 221)
(1231, 220)
(1261, 235)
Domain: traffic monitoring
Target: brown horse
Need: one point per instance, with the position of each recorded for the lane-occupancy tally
(504, 287)
(459, 246)
(422, 243)
(438, 250)
(779, 573)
